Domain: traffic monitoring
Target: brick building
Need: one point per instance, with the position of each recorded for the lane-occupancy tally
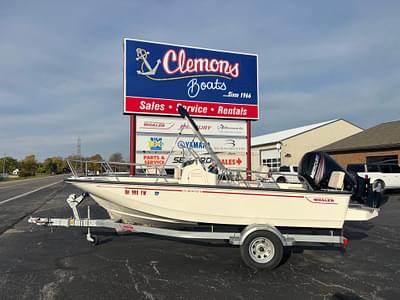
(374, 145)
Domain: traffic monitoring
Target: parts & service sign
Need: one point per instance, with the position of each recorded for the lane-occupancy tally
(208, 83)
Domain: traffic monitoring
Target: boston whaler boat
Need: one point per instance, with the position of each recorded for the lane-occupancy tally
(213, 202)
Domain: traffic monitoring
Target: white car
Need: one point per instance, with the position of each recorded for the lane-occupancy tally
(286, 174)
(382, 176)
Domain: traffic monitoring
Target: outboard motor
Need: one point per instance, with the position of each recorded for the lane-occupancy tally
(316, 168)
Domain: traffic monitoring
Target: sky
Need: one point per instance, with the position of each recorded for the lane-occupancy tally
(61, 64)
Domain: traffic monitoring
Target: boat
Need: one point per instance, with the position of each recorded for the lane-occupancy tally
(198, 194)
(201, 201)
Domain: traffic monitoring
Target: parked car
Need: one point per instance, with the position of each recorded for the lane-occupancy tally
(286, 174)
(382, 176)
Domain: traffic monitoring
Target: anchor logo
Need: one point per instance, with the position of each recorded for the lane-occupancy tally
(142, 54)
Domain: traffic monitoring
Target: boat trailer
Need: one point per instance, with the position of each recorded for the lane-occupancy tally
(262, 246)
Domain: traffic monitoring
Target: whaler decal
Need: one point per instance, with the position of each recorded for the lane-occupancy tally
(322, 200)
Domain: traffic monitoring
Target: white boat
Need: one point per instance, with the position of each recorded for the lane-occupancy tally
(211, 202)
(194, 195)
(198, 197)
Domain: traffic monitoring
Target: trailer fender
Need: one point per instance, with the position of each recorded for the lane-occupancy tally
(255, 227)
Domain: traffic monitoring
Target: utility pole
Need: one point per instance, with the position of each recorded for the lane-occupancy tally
(78, 148)
(4, 165)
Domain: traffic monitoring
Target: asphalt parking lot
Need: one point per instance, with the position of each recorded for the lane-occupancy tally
(39, 263)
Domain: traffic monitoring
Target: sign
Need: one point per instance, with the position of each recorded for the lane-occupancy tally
(167, 143)
(173, 125)
(229, 160)
(208, 83)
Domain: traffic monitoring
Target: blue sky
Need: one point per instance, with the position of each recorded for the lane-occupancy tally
(61, 64)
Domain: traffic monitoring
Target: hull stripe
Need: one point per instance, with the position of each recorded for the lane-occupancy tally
(206, 192)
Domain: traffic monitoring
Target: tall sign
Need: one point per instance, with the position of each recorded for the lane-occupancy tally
(208, 83)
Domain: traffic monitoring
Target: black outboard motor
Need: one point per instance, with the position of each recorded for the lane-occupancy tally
(316, 168)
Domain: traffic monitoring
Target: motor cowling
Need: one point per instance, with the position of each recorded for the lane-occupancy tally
(316, 168)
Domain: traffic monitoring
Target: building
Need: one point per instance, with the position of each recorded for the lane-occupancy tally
(374, 145)
(288, 147)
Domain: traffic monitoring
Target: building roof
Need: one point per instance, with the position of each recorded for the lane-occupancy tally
(285, 134)
(382, 136)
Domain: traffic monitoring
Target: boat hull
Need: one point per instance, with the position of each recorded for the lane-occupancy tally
(173, 205)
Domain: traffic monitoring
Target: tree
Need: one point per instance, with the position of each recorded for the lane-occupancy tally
(96, 167)
(28, 166)
(116, 157)
(8, 164)
(54, 165)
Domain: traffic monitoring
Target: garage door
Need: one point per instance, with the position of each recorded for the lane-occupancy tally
(270, 158)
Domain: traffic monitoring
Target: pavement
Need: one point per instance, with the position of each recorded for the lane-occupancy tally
(39, 263)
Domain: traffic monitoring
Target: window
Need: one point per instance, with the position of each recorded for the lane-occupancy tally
(390, 168)
(387, 159)
(373, 168)
(271, 159)
(284, 169)
(386, 168)
(355, 168)
(272, 163)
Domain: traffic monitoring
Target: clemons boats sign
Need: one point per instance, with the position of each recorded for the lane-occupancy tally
(208, 83)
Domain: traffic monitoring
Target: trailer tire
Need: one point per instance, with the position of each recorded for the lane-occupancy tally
(262, 249)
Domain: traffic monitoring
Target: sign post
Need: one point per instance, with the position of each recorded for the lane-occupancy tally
(132, 142)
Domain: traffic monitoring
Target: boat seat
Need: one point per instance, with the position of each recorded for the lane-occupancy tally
(336, 181)
(195, 174)
(177, 173)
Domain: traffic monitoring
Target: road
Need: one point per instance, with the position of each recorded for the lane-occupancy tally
(13, 196)
(37, 263)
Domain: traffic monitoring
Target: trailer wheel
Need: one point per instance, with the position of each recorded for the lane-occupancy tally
(262, 250)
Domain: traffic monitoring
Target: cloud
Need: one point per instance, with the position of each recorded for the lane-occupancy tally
(61, 64)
